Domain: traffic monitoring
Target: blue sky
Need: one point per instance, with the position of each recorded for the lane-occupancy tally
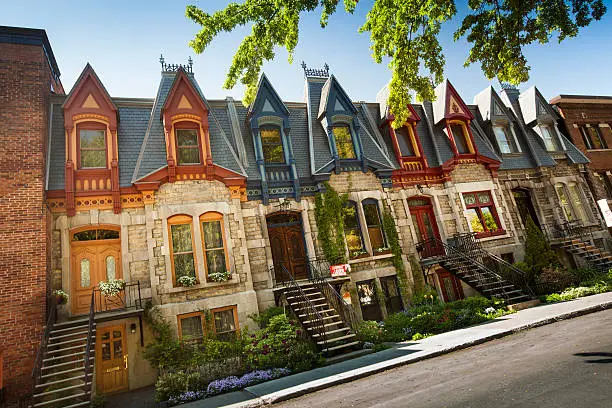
(124, 39)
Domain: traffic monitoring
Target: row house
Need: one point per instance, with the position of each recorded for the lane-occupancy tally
(207, 210)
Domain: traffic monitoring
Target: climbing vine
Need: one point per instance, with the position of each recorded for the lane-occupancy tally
(329, 214)
(393, 239)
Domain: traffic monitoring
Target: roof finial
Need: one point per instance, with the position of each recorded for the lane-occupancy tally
(190, 63)
(162, 61)
(314, 72)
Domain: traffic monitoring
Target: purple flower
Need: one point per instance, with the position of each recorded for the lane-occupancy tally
(298, 332)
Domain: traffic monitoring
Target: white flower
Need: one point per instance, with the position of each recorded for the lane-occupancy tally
(489, 310)
(111, 287)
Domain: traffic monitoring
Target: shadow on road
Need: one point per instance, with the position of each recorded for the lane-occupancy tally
(597, 354)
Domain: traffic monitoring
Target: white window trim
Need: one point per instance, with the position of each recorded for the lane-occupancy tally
(509, 125)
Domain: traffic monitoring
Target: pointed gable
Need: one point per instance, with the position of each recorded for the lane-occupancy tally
(267, 100)
(534, 107)
(334, 100)
(491, 106)
(183, 99)
(89, 97)
(448, 104)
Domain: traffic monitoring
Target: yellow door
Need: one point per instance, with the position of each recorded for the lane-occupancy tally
(111, 359)
(92, 263)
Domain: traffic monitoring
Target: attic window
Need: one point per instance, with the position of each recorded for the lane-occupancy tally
(505, 138)
(92, 147)
(404, 140)
(549, 139)
(460, 137)
(187, 146)
(344, 142)
(272, 145)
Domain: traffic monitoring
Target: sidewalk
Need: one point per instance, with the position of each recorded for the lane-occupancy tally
(404, 353)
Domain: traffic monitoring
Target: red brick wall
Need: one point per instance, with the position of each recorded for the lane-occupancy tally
(24, 91)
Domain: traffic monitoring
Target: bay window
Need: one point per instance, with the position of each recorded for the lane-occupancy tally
(481, 214)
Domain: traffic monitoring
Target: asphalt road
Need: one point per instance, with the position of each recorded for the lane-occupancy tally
(565, 364)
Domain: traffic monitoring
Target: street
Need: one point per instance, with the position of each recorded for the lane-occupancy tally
(565, 364)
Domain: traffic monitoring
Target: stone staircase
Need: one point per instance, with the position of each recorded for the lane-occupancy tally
(337, 337)
(483, 279)
(63, 381)
(596, 258)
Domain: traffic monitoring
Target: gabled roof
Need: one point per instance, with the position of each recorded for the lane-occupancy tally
(87, 73)
(335, 99)
(491, 106)
(448, 104)
(535, 107)
(267, 99)
(181, 77)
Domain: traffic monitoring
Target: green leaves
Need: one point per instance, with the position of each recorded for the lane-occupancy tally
(406, 32)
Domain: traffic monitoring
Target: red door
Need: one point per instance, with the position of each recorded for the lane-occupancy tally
(425, 226)
(451, 286)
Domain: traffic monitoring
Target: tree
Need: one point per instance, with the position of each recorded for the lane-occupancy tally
(538, 253)
(407, 32)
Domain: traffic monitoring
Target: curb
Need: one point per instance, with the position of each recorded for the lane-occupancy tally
(292, 392)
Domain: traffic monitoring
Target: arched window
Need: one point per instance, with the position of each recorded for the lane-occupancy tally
(181, 246)
(214, 243)
(352, 232)
(272, 144)
(374, 224)
(344, 142)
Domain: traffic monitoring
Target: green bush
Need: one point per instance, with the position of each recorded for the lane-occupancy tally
(427, 296)
(174, 384)
(585, 275)
(369, 331)
(263, 319)
(581, 291)
(538, 253)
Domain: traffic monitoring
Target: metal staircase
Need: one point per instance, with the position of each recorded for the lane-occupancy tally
(326, 322)
(490, 275)
(578, 240)
(63, 373)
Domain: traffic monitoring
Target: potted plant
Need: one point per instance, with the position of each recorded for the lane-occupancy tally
(111, 287)
(186, 281)
(382, 250)
(61, 297)
(359, 254)
(221, 276)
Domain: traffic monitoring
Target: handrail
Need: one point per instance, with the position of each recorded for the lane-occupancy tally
(464, 246)
(128, 298)
(52, 315)
(306, 307)
(320, 275)
(87, 388)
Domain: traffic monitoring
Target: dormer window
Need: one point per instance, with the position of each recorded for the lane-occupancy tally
(272, 145)
(405, 138)
(344, 142)
(187, 146)
(548, 137)
(505, 138)
(92, 146)
(460, 137)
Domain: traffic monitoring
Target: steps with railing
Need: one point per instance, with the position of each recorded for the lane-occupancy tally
(320, 319)
(490, 275)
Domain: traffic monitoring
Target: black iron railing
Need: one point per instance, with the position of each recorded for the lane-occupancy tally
(128, 298)
(307, 314)
(90, 342)
(487, 267)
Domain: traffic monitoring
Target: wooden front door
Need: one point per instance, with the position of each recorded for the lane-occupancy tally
(425, 226)
(287, 244)
(94, 261)
(111, 359)
(451, 286)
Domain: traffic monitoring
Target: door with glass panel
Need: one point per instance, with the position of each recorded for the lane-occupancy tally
(111, 360)
(96, 257)
(425, 226)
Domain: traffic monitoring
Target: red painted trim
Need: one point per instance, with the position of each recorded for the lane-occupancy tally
(448, 115)
(90, 126)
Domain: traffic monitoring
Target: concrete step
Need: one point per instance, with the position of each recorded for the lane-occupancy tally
(68, 329)
(81, 340)
(64, 349)
(336, 339)
(340, 347)
(73, 370)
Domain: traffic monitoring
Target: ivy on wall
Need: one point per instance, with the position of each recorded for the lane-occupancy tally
(393, 239)
(329, 215)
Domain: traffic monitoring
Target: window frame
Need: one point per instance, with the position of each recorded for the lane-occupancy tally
(268, 127)
(477, 206)
(181, 219)
(508, 131)
(374, 202)
(587, 137)
(411, 139)
(212, 216)
(351, 138)
(578, 202)
(554, 138)
(358, 228)
(182, 316)
(96, 127)
(561, 186)
(180, 126)
(465, 134)
(234, 309)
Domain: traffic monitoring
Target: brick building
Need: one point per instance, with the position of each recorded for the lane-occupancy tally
(207, 210)
(587, 120)
(29, 76)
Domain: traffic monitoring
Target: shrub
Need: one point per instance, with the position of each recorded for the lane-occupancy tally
(581, 291)
(170, 385)
(369, 331)
(585, 275)
(554, 280)
(263, 319)
(538, 253)
(427, 296)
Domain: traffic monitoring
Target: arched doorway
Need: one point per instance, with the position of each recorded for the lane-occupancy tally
(287, 244)
(522, 198)
(95, 257)
(425, 226)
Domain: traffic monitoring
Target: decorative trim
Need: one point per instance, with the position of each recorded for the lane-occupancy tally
(90, 116)
(238, 192)
(148, 197)
(185, 116)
